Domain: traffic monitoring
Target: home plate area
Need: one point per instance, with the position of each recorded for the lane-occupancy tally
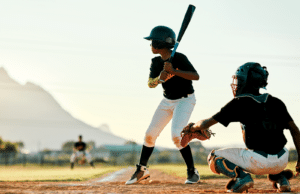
(159, 182)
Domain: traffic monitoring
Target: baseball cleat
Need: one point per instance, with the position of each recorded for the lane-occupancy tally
(193, 176)
(283, 184)
(140, 174)
(240, 185)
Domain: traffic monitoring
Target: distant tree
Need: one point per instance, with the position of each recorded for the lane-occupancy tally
(68, 146)
(10, 147)
(1, 142)
(129, 142)
(20, 145)
(90, 145)
(46, 151)
(293, 156)
(10, 150)
(164, 157)
(199, 152)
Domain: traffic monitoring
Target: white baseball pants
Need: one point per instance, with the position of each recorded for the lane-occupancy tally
(254, 162)
(81, 154)
(180, 110)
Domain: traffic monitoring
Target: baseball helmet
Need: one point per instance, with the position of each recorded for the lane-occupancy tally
(251, 75)
(162, 34)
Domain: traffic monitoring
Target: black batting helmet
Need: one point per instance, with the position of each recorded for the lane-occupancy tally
(163, 36)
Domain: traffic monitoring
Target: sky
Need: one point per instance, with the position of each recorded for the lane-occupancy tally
(92, 58)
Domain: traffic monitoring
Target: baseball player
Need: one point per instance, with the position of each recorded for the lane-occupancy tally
(178, 102)
(263, 119)
(80, 151)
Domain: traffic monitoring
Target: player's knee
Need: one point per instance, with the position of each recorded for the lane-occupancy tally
(176, 141)
(219, 165)
(149, 141)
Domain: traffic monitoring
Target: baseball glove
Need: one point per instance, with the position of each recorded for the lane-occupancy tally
(188, 135)
(82, 161)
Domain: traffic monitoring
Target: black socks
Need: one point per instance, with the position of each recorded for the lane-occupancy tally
(188, 157)
(145, 155)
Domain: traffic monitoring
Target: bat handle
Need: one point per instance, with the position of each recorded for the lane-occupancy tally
(173, 52)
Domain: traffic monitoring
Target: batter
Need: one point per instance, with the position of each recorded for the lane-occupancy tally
(177, 104)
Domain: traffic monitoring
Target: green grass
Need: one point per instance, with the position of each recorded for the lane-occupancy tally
(50, 173)
(204, 170)
(82, 173)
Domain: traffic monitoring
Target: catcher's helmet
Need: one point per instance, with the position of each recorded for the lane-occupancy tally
(251, 75)
(162, 34)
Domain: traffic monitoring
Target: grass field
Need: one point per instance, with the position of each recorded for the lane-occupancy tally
(50, 173)
(82, 173)
(204, 171)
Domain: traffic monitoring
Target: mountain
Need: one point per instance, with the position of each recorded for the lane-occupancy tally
(30, 114)
(105, 128)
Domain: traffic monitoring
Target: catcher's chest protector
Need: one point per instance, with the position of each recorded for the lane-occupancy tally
(263, 127)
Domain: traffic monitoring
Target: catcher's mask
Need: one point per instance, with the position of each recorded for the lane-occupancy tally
(248, 77)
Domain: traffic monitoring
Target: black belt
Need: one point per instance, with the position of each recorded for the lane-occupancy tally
(186, 95)
(264, 154)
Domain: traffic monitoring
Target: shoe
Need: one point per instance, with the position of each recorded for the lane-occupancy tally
(281, 180)
(193, 176)
(141, 173)
(283, 184)
(240, 185)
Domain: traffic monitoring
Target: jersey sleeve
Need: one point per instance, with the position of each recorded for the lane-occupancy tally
(154, 68)
(184, 63)
(228, 114)
(285, 116)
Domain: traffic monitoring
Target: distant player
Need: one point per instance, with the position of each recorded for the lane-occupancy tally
(263, 119)
(80, 151)
(177, 104)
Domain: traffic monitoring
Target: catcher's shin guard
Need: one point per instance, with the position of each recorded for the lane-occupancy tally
(220, 165)
(281, 180)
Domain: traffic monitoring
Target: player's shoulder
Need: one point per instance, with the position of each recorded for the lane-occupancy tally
(157, 58)
(274, 99)
(180, 55)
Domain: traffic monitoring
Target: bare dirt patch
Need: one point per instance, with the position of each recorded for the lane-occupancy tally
(115, 183)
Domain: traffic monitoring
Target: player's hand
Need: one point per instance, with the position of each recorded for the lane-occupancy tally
(198, 126)
(169, 68)
(163, 75)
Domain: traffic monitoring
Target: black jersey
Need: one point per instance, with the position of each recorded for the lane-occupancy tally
(176, 87)
(81, 146)
(263, 122)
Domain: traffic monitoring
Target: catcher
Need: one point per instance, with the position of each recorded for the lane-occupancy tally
(80, 152)
(263, 119)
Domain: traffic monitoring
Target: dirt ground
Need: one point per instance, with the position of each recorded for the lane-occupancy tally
(115, 183)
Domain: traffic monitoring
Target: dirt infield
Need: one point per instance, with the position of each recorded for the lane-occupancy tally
(115, 183)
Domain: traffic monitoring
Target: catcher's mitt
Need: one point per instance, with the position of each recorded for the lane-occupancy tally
(188, 135)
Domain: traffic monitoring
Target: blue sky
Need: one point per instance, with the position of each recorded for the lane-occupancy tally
(91, 55)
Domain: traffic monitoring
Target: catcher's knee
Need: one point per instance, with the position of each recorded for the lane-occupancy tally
(149, 141)
(176, 141)
(220, 165)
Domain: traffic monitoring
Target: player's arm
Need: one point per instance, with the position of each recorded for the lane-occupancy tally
(203, 124)
(296, 138)
(189, 75)
(153, 82)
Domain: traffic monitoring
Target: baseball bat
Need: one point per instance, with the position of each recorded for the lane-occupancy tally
(187, 18)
